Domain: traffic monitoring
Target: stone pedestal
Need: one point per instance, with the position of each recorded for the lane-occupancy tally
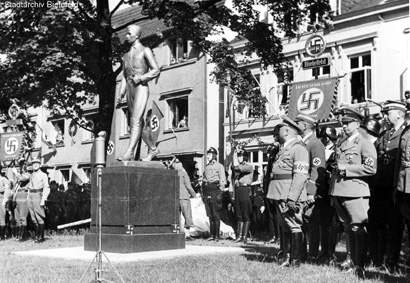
(140, 209)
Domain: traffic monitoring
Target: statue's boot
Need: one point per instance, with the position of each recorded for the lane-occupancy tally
(134, 139)
(152, 149)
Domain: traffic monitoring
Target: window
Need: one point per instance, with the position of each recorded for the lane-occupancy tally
(58, 132)
(178, 112)
(89, 135)
(321, 72)
(179, 50)
(360, 78)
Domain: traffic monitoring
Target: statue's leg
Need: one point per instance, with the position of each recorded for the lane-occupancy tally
(136, 108)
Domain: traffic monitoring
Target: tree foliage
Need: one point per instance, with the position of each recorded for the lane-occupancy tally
(63, 56)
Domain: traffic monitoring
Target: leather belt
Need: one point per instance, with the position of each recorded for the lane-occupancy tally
(281, 176)
(243, 185)
(36, 191)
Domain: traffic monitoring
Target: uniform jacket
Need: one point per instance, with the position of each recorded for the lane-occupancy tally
(402, 177)
(317, 158)
(292, 160)
(243, 173)
(39, 180)
(387, 147)
(185, 188)
(5, 190)
(215, 172)
(360, 158)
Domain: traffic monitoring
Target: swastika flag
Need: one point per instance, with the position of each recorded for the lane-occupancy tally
(315, 98)
(11, 145)
(152, 123)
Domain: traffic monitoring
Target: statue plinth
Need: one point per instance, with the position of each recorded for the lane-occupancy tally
(140, 209)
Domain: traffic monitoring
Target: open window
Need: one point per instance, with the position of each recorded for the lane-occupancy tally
(178, 112)
(360, 78)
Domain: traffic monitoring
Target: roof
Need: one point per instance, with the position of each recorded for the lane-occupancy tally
(133, 14)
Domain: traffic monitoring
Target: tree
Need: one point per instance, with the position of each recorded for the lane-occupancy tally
(63, 56)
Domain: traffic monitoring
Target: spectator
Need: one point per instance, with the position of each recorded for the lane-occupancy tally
(184, 194)
(183, 123)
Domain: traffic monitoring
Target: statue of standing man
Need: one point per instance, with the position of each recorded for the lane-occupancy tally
(139, 67)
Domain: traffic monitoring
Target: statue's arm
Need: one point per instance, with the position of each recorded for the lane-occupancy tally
(154, 70)
(123, 88)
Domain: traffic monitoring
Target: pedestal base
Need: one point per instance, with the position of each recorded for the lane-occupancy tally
(134, 243)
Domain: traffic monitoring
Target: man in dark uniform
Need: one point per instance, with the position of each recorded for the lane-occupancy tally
(315, 186)
(38, 194)
(243, 178)
(386, 224)
(355, 161)
(212, 187)
(289, 175)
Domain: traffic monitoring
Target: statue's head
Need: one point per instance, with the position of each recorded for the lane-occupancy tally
(133, 33)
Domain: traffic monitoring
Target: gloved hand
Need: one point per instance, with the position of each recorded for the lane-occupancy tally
(262, 209)
(310, 199)
(292, 205)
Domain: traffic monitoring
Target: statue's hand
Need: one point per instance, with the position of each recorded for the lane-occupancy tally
(136, 80)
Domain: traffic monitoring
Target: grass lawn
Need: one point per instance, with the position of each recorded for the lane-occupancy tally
(255, 265)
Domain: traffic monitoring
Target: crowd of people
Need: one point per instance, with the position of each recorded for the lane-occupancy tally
(31, 204)
(347, 177)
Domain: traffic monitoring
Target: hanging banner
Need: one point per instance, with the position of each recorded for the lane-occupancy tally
(11, 145)
(316, 98)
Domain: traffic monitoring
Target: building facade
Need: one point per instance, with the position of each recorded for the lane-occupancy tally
(367, 49)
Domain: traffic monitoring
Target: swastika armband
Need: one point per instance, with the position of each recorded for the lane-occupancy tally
(369, 162)
(300, 167)
(316, 161)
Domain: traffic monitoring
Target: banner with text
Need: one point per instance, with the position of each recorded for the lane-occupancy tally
(316, 98)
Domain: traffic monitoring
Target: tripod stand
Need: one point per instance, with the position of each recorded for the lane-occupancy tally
(100, 150)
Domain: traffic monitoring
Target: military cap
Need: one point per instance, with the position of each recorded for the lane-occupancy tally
(36, 160)
(212, 150)
(372, 126)
(394, 105)
(305, 118)
(290, 123)
(350, 114)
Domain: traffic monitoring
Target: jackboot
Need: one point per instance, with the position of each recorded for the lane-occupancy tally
(314, 240)
(239, 232)
(37, 233)
(349, 263)
(286, 247)
(18, 228)
(136, 129)
(296, 249)
(40, 235)
(22, 234)
(361, 253)
(2, 233)
(246, 231)
(217, 226)
(211, 230)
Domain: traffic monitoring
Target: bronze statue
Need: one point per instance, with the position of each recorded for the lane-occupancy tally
(139, 67)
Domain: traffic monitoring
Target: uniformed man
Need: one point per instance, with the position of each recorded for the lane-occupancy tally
(328, 217)
(243, 178)
(5, 193)
(315, 186)
(38, 194)
(20, 193)
(212, 187)
(386, 224)
(355, 161)
(289, 175)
